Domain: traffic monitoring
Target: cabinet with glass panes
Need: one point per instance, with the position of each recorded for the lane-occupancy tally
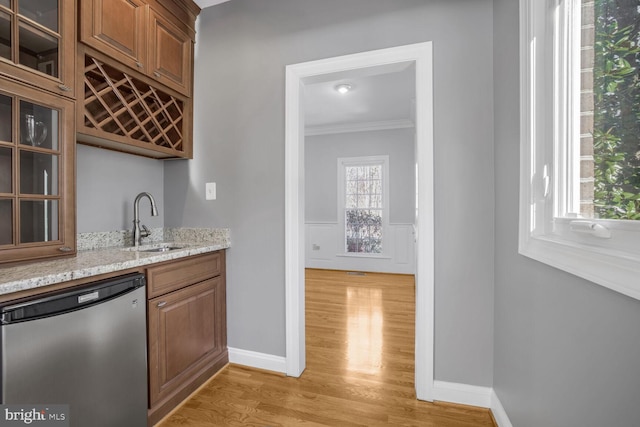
(37, 170)
(37, 43)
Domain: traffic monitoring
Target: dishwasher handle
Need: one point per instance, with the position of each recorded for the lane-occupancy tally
(69, 300)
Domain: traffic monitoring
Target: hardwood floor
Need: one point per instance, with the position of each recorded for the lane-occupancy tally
(360, 344)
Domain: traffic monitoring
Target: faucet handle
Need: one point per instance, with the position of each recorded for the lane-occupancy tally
(144, 232)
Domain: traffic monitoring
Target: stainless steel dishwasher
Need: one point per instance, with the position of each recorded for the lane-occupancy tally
(85, 347)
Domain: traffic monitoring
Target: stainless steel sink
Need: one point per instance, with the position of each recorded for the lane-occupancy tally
(157, 247)
(162, 249)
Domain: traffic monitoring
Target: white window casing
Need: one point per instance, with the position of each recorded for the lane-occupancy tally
(551, 230)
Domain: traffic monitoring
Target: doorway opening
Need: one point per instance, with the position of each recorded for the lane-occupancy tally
(298, 76)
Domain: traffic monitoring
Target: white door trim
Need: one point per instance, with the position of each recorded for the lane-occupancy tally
(421, 54)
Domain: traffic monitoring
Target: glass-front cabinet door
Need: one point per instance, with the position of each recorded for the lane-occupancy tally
(37, 43)
(37, 155)
(7, 150)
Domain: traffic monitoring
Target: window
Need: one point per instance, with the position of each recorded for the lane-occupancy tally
(362, 204)
(580, 138)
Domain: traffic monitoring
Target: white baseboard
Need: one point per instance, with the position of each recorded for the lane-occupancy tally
(484, 397)
(499, 414)
(462, 393)
(257, 360)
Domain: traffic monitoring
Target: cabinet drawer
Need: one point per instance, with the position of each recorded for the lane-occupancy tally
(175, 275)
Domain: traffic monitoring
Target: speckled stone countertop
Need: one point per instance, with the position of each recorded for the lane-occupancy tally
(100, 260)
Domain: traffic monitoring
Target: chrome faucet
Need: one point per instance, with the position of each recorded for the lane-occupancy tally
(139, 233)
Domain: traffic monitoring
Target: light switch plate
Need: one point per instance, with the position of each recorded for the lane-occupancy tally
(210, 191)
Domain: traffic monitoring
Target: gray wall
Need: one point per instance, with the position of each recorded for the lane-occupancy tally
(321, 170)
(567, 351)
(242, 49)
(107, 184)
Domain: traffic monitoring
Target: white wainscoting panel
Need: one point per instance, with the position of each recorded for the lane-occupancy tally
(323, 247)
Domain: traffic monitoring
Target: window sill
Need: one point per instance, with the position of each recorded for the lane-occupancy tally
(618, 272)
(362, 255)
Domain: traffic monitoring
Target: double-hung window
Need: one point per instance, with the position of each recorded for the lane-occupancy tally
(362, 204)
(580, 138)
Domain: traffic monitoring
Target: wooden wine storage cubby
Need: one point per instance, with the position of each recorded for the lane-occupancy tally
(126, 112)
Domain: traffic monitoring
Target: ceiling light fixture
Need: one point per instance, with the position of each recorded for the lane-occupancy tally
(343, 88)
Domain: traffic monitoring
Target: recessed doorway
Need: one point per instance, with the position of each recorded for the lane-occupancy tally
(299, 75)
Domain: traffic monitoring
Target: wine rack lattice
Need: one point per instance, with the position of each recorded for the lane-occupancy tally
(119, 104)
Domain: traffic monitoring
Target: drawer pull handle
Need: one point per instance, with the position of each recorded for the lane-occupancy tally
(157, 74)
(161, 304)
(65, 249)
(139, 64)
(64, 88)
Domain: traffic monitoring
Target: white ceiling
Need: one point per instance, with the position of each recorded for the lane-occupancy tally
(379, 99)
(207, 3)
(382, 97)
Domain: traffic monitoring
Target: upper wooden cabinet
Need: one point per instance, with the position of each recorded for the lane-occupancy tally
(170, 54)
(144, 36)
(135, 78)
(117, 28)
(37, 174)
(125, 111)
(38, 43)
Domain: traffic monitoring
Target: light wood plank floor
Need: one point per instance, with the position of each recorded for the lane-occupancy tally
(360, 346)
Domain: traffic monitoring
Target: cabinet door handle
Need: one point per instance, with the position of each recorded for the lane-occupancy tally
(139, 64)
(64, 88)
(161, 304)
(65, 249)
(157, 74)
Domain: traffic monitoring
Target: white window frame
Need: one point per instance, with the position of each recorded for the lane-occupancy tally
(606, 252)
(343, 162)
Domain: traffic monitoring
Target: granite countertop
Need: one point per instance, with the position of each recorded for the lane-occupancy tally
(101, 260)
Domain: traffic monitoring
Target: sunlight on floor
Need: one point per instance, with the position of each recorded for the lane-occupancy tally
(360, 367)
(364, 330)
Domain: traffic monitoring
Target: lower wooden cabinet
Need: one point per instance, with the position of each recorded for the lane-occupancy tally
(187, 330)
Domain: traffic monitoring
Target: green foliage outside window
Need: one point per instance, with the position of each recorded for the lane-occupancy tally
(364, 231)
(616, 131)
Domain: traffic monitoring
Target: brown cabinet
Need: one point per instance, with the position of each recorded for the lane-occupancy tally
(142, 107)
(143, 36)
(37, 174)
(38, 44)
(170, 54)
(136, 76)
(116, 27)
(124, 111)
(187, 328)
(37, 129)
